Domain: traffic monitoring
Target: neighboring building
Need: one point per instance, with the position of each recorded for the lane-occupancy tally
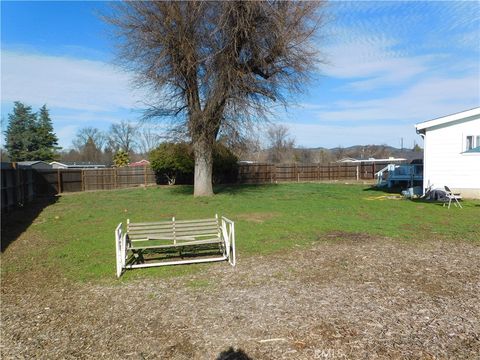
(76, 165)
(451, 154)
(58, 165)
(37, 165)
(346, 160)
(371, 160)
(142, 162)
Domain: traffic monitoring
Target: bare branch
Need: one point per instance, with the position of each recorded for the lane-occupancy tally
(209, 64)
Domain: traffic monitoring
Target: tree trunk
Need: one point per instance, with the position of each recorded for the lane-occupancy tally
(203, 168)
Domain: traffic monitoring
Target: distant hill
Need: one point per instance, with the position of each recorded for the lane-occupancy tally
(374, 151)
(324, 155)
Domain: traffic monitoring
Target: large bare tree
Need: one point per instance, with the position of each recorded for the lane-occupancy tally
(89, 135)
(147, 140)
(123, 136)
(280, 144)
(214, 66)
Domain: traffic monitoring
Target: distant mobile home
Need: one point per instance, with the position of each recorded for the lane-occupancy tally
(452, 152)
(37, 165)
(76, 165)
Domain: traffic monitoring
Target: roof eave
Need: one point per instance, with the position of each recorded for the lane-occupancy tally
(446, 119)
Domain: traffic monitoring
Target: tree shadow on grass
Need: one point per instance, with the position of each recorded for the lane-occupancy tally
(224, 189)
(18, 220)
(181, 189)
(244, 188)
(385, 190)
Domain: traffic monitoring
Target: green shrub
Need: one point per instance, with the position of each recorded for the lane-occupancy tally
(174, 163)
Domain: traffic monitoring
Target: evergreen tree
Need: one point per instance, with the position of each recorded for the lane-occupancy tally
(30, 136)
(46, 140)
(90, 152)
(20, 134)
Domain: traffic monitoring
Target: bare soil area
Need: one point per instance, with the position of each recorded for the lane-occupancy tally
(349, 298)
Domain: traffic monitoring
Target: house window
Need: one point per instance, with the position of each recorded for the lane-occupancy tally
(472, 141)
(469, 143)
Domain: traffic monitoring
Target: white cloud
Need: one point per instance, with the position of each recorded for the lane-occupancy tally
(65, 83)
(87, 117)
(65, 134)
(373, 65)
(425, 100)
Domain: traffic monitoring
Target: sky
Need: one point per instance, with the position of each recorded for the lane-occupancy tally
(386, 66)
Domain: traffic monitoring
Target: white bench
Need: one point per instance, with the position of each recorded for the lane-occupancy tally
(174, 242)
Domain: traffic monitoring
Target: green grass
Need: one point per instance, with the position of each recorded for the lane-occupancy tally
(79, 228)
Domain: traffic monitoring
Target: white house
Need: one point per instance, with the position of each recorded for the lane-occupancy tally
(452, 152)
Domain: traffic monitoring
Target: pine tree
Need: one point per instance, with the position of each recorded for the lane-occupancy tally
(20, 134)
(30, 136)
(90, 152)
(47, 141)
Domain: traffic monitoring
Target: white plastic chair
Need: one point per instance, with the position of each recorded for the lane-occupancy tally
(451, 196)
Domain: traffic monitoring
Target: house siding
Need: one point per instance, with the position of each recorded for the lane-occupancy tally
(445, 162)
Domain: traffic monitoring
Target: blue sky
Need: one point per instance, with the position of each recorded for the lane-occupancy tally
(388, 65)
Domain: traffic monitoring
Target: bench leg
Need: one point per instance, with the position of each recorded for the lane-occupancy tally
(138, 255)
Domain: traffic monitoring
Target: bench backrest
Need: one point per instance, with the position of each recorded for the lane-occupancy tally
(175, 230)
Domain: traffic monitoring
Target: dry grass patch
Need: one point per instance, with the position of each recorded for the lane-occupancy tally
(257, 217)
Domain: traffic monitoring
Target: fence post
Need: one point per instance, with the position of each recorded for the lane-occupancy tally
(59, 184)
(145, 175)
(115, 184)
(358, 174)
(82, 175)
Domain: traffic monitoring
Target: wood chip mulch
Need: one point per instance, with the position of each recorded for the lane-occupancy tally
(363, 297)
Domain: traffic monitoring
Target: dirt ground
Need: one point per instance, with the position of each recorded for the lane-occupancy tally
(352, 298)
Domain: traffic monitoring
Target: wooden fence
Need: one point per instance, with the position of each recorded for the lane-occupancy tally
(268, 173)
(106, 179)
(70, 180)
(17, 188)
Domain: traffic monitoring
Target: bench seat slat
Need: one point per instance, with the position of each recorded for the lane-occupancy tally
(170, 226)
(177, 228)
(134, 226)
(165, 222)
(165, 246)
(136, 231)
(195, 221)
(182, 224)
(196, 232)
(163, 232)
(203, 226)
(170, 233)
(178, 239)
